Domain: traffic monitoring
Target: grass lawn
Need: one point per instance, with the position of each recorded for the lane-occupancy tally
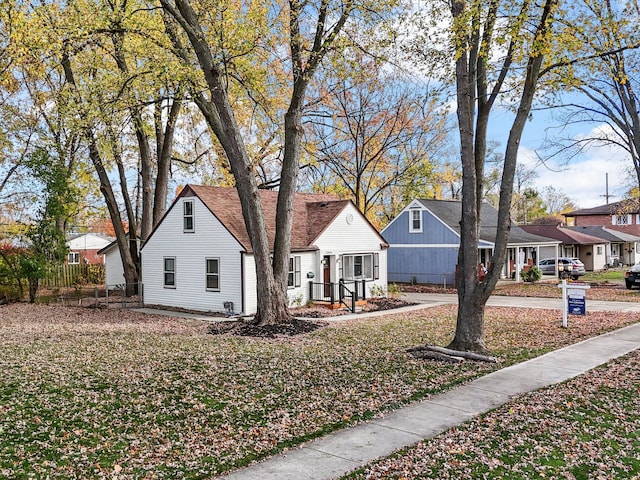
(610, 291)
(611, 275)
(92, 393)
(588, 427)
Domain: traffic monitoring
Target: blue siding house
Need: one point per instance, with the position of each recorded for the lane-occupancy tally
(424, 240)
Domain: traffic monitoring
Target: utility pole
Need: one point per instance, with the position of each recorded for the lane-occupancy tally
(606, 194)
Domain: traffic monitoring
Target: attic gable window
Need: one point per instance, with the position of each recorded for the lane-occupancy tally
(415, 221)
(187, 210)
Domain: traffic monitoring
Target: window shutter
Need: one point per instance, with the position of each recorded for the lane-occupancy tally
(296, 267)
(376, 266)
(341, 269)
(629, 219)
(614, 220)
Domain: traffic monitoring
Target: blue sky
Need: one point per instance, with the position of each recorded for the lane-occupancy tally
(583, 178)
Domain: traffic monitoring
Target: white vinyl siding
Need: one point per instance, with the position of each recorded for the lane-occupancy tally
(209, 240)
(113, 266)
(357, 238)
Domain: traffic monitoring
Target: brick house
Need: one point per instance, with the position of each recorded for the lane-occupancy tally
(84, 248)
(622, 217)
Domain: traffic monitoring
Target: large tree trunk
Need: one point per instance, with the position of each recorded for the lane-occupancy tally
(271, 278)
(146, 174)
(164, 151)
(34, 284)
(469, 334)
(288, 180)
(130, 269)
(144, 149)
(131, 276)
(272, 301)
(469, 331)
(474, 103)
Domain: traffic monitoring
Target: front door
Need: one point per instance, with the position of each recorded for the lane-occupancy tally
(326, 275)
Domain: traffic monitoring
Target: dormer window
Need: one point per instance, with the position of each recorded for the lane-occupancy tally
(415, 221)
(187, 207)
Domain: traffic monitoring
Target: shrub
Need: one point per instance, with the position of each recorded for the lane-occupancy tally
(377, 291)
(9, 294)
(394, 291)
(296, 300)
(532, 275)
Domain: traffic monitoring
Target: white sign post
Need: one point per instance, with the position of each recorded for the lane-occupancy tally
(573, 300)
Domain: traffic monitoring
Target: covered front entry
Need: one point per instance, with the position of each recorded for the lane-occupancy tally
(333, 291)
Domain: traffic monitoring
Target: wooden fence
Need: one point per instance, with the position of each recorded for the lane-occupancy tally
(74, 275)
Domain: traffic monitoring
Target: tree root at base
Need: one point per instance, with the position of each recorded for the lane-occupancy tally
(433, 352)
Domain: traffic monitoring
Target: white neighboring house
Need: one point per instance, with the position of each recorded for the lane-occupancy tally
(199, 255)
(114, 271)
(84, 248)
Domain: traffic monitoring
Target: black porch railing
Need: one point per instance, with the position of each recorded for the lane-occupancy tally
(343, 292)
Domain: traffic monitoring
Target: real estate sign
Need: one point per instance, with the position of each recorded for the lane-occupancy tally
(576, 301)
(573, 300)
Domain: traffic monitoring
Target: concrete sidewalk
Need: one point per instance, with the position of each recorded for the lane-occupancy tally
(345, 450)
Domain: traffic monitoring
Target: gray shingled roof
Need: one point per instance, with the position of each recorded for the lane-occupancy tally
(450, 212)
(616, 208)
(605, 233)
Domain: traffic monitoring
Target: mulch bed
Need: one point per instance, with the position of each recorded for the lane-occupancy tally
(244, 329)
(304, 321)
(424, 288)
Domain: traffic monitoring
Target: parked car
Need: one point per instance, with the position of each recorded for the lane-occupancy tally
(568, 267)
(632, 277)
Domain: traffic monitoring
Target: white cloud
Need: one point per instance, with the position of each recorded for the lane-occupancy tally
(583, 180)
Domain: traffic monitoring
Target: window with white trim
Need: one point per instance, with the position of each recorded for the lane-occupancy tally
(213, 274)
(73, 258)
(621, 219)
(361, 267)
(169, 272)
(415, 221)
(187, 214)
(294, 279)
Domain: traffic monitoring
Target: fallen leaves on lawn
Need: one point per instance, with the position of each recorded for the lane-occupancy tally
(612, 292)
(584, 428)
(91, 393)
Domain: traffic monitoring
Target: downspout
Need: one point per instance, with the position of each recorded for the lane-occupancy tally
(242, 285)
